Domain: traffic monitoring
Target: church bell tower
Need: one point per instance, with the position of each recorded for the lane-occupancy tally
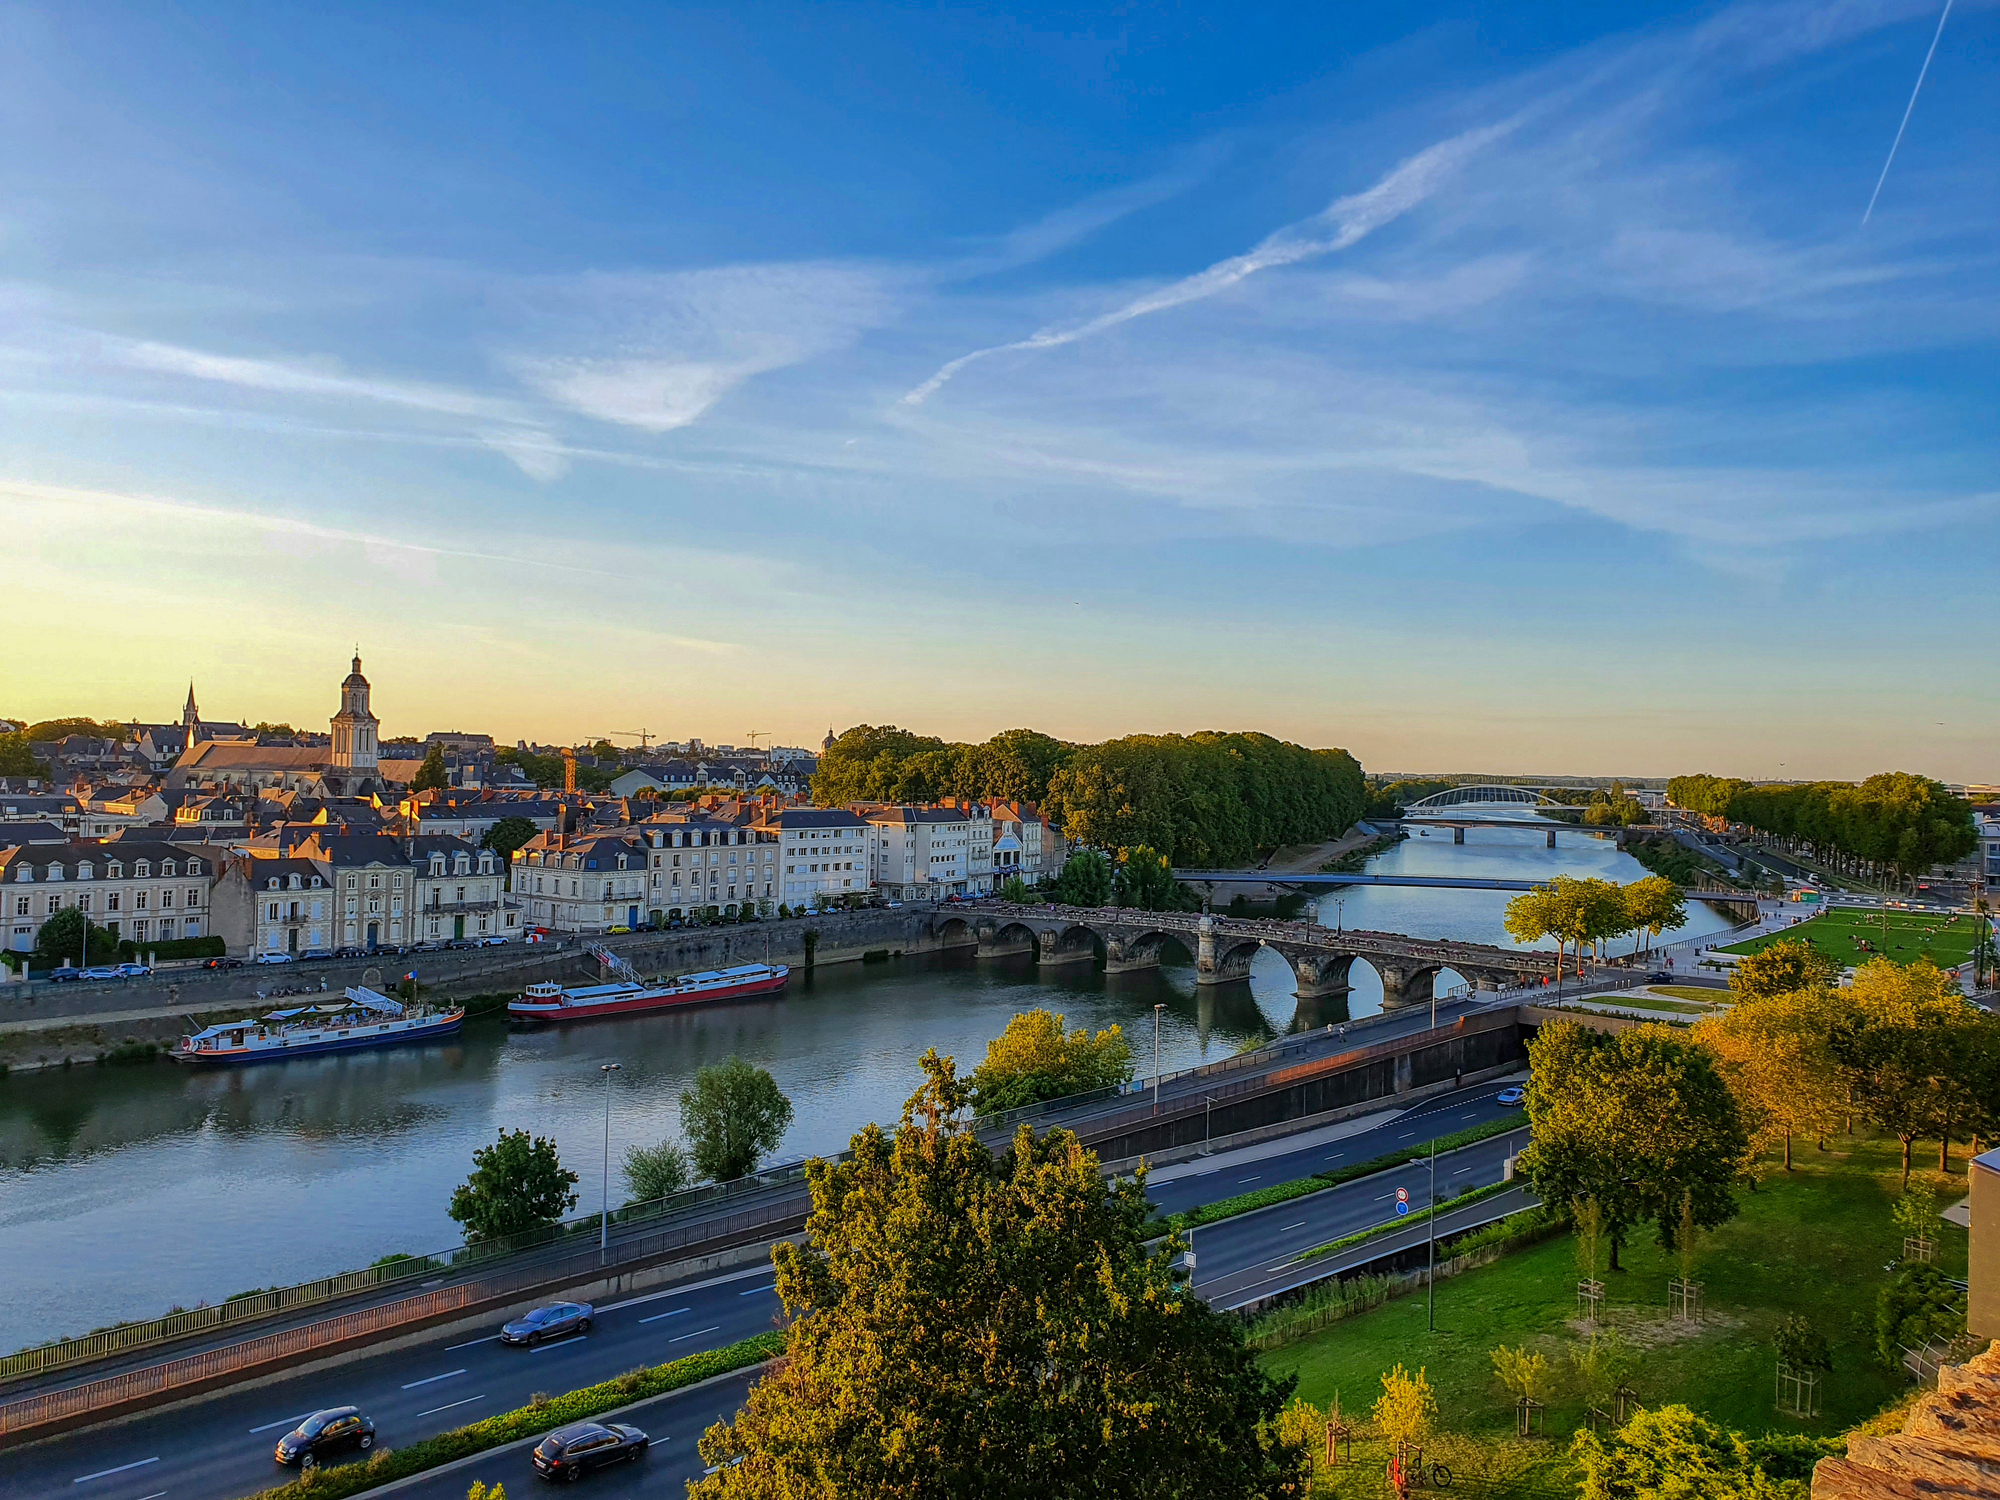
(355, 730)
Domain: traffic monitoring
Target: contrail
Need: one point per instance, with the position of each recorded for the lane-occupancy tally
(1350, 218)
(1906, 113)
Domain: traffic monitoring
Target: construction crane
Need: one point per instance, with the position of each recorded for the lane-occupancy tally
(645, 737)
(569, 769)
(754, 733)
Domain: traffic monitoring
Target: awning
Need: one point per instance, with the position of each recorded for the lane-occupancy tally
(286, 1015)
(226, 1026)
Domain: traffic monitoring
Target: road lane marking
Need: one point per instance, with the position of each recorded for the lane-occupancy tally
(432, 1379)
(490, 1338)
(450, 1404)
(1290, 1227)
(1249, 1179)
(156, 1495)
(1383, 1197)
(755, 1290)
(657, 1316)
(1410, 1136)
(576, 1338)
(695, 1335)
(683, 1290)
(288, 1422)
(107, 1473)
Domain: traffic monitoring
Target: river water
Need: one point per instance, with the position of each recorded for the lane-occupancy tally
(127, 1190)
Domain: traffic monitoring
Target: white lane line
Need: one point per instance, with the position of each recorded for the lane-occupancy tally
(156, 1495)
(432, 1379)
(1290, 1227)
(288, 1422)
(491, 1338)
(450, 1404)
(695, 1335)
(657, 1316)
(558, 1344)
(684, 1289)
(756, 1290)
(1409, 1137)
(106, 1473)
(1249, 1179)
(1383, 1197)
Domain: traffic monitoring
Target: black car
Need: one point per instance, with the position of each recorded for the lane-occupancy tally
(568, 1451)
(1659, 976)
(326, 1434)
(223, 963)
(65, 976)
(550, 1322)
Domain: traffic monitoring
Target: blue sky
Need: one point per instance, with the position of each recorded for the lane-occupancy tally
(1471, 386)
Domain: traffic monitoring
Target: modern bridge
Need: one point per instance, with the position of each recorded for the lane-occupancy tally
(1311, 881)
(1222, 948)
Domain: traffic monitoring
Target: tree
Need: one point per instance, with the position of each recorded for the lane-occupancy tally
(1145, 881)
(507, 835)
(1033, 1060)
(1916, 1306)
(1783, 968)
(970, 1324)
(1904, 1043)
(1916, 1212)
(605, 750)
(1522, 1373)
(431, 775)
(1654, 905)
(1775, 1050)
(62, 938)
(1574, 912)
(654, 1172)
(1668, 1453)
(1017, 890)
(1802, 1346)
(518, 1183)
(1407, 1409)
(1085, 879)
(17, 757)
(732, 1114)
(1636, 1121)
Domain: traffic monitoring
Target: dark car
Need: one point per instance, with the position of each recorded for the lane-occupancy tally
(65, 976)
(223, 963)
(326, 1434)
(550, 1322)
(1659, 976)
(568, 1451)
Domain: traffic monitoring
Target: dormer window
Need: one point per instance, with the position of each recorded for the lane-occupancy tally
(437, 864)
(295, 882)
(142, 869)
(114, 871)
(271, 884)
(83, 870)
(317, 882)
(194, 867)
(167, 867)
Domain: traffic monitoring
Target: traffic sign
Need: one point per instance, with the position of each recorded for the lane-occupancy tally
(1402, 1195)
(1402, 1207)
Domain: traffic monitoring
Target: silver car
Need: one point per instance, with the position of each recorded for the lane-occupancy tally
(551, 1322)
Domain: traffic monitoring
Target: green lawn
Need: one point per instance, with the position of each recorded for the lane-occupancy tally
(1704, 998)
(1812, 1242)
(1909, 936)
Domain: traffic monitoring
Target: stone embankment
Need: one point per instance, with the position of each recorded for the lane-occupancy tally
(48, 1025)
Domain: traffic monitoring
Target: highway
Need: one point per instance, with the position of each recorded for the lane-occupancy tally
(219, 1447)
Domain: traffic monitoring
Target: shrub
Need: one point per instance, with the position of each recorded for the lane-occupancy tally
(1917, 1305)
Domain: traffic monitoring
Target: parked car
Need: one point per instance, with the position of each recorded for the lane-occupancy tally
(493, 940)
(324, 1435)
(103, 971)
(316, 953)
(620, 928)
(1513, 1097)
(132, 971)
(222, 963)
(350, 953)
(275, 958)
(550, 1322)
(568, 1452)
(458, 944)
(65, 975)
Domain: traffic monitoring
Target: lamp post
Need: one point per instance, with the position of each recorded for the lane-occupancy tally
(604, 1213)
(1431, 1254)
(1156, 1055)
(1339, 915)
(1207, 1113)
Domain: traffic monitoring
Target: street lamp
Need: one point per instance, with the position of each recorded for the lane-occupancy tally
(1207, 1111)
(1339, 914)
(604, 1214)
(1156, 1055)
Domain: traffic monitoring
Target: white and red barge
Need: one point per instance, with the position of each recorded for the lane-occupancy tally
(555, 1002)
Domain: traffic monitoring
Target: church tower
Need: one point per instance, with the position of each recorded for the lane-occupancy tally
(191, 718)
(355, 729)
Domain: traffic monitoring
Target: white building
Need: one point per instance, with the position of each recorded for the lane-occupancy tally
(708, 865)
(458, 892)
(275, 906)
(823, 853)
(583, 882)
(928, 853)
(138, 889)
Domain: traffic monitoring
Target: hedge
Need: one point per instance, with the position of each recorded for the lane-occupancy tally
(194, 947)
(1464, 1200)
(388, 1464)
(1284, 1192)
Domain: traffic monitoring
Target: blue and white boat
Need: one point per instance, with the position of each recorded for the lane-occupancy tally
(366, 1019)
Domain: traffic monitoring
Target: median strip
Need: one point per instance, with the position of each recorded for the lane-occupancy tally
(1445, 1205)
(388, 1465)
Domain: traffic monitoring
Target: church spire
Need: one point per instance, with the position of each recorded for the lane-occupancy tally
(190, 714)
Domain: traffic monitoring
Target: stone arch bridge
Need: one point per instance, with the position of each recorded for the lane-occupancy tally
(1222, 948)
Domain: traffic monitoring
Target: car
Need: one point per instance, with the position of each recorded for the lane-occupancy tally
(458, 944)
(568, 1452)
(325, 1434)
(620, 928)
(222, 963)
(895, 906)
(1659, 976)
(103, 971)
(493, 940)
(317, 953)
(132, 971)
(1513, 1097)
(65, 975)
(275, 958)
(350, 953)
(550, 1322)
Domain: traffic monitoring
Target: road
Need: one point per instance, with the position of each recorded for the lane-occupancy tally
(219, 1447)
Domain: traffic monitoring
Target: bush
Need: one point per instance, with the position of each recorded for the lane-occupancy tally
(1917, 1305)
(174, 948)
(543, 1413)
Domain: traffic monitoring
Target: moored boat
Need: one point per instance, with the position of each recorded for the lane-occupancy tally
(549, 1001)
(365, 1019)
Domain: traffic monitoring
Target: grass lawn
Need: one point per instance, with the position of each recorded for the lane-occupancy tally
(1910, 936)
(1812, 1242)
(1702, 998)
(1654, 999)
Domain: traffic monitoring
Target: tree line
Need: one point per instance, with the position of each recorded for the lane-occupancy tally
(1199, 799)
(1582, 913)
(1893, 821)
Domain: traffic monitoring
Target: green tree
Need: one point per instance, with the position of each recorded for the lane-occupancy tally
(431, 775)
(1017, 890)
(1034, 1060)
(1802, 1346)
(17, 757)
(1669, 1453)
(1916, 1306)
(605, 750)
(653, 1172)
(1776, 1052)
(504, 837)
(966, 1324)
(732, 1114)
(1652, 906)
(1902, 1042)
(1145, 881)
(1783, 968)
(1407, 1410)
(62, 937)
(1637, 1121)
(1576, 913)
(1085, 880)
(518, 1183)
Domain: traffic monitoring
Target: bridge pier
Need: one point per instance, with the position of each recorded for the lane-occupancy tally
(1051, 950)
(1123, 955)
(1552, 838)
(1458, 835)
(1318, 973)
(1406, 984)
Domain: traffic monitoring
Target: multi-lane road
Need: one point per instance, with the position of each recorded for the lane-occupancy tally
(220, 1447)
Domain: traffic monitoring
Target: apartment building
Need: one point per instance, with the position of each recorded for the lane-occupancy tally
(700, 864)
(583, 882)
(823, 853)
(928, 853)
(146, 890)
(459, 891)
(275, 906)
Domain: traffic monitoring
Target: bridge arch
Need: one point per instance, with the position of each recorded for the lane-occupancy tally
(1493, 794)
(956, 932)
(1008, 938)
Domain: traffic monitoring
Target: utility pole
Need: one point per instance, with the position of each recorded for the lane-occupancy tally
(604, 1213)
(1430, 1274)
(1156, 1055)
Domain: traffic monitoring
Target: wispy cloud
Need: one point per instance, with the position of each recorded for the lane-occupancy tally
(294, 378)
(1348, 218)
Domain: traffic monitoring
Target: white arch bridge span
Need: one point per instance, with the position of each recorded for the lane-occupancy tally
(1222, 948)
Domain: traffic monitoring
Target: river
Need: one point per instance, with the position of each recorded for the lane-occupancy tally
(127, 1190)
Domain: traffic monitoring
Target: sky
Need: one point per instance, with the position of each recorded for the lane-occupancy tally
(1473, 386)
